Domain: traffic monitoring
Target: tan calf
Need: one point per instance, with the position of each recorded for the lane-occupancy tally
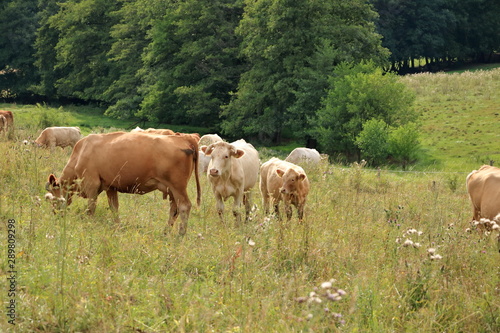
(281, 180)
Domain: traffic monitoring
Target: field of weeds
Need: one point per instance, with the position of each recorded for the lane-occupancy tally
(378, 251)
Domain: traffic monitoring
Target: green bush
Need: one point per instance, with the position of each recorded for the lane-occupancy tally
(372, 141)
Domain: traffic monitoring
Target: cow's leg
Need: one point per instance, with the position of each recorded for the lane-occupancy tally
(248, 202)
(265, 196)
(238, 198)
(174, 212)
(288, 206)
(113, 203)
(300, 211)
(219, 205)
(182, 205)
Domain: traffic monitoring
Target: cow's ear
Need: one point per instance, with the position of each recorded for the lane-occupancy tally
(280, 172)
(302, 176)
(52, 180)
(238, 153)
(207, 150)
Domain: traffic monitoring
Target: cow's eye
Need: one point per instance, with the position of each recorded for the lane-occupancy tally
(226, 156)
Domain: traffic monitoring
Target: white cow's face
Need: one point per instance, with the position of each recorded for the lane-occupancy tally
(291, 180)
(221, 154)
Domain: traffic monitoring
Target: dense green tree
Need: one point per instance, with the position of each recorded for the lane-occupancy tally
(45, 55)
(291, 47)
(192, 63)
(82, 48)
(130, 36)
(357, 94)
(438, 30)
(18, 24)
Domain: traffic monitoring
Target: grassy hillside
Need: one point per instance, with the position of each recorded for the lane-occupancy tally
(460, 113)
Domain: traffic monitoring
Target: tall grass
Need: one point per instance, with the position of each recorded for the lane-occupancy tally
(87, 274)
(396, 243)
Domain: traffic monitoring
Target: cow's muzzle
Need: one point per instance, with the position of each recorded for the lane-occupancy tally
(214, 172)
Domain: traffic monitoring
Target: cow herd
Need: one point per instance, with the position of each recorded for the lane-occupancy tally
(142, 161)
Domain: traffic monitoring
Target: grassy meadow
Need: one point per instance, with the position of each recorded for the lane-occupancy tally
(377, 252)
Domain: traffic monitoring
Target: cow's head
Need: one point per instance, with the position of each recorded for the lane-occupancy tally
(55, 194)
(291, 180)
(221, 154)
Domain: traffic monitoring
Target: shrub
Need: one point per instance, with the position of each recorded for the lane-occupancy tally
(372, 141)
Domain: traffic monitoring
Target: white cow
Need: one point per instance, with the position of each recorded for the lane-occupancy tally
(208, 139)
(59, 136)
(204, 160)
(233, 171)
(304, 155)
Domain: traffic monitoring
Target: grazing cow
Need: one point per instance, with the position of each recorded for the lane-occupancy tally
(283, 180)
(483, 186)
(304, 155)
(204, 160)
(208, 139)
(233, 171)
(160, 131)
(130, 163)
(8, 122)
(59, 137)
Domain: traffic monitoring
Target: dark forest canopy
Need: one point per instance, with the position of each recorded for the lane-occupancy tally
(252, 68)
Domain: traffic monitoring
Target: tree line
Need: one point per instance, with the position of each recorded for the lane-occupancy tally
(254, 68)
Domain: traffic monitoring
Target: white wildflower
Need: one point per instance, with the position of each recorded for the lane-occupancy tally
(326, 285)
(251, 242)
(431, 250)
(408, 242)
(49, 196)
(436, 257)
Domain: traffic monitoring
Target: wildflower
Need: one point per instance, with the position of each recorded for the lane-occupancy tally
(309, 316)
(326, 285)
(431, 250)
(398, 240)
(334, 297)
(416, 245)
(468, 230)
(301, 299)
(436, 257)
(341, 292)
(25, 142)
(251, 242)
(49, 196)
(408, 242)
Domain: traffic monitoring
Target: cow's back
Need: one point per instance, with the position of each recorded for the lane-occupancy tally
(249, 162)
(304, 155)
(130, 161)
(483, 186)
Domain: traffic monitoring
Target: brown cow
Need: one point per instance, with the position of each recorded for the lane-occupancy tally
(3, 123)
(59, 136)
(483, 186)
(283, 180)
(9, 120)
(130, 163)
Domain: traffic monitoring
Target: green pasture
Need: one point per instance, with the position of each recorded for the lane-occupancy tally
(378, 251)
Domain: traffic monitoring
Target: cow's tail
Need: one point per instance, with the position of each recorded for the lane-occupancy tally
(198, 188)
